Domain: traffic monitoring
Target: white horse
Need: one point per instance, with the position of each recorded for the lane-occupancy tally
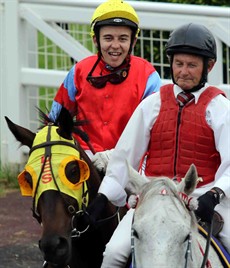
(164, 229)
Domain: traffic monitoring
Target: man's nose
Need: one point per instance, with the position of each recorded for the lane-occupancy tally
(115, 43)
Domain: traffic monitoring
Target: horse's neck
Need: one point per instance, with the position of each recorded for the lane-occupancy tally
(199, 247)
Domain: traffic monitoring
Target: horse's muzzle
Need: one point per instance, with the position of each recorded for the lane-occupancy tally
(56, 251)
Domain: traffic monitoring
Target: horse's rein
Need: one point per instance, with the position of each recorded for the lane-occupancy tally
(77, 233)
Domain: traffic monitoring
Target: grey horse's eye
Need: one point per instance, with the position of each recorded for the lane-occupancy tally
(135, 233)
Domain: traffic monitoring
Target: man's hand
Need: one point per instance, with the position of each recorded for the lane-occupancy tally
(132, 201)
(101, 159)
(206, 205)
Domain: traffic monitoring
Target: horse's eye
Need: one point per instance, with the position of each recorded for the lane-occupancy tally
(134, 233)
(72, 172)
(188, 237)
(28, 179)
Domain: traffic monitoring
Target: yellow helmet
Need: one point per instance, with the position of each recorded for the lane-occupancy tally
(115, 12)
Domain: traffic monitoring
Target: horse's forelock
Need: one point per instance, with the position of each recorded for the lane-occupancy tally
(157, 186)
(43, 118)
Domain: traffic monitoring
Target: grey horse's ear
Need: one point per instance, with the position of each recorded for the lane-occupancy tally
(190, 181)
(136, 180)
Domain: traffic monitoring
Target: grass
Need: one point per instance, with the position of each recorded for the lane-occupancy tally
(8, 178)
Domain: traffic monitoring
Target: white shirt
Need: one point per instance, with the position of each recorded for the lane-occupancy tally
(134, 142)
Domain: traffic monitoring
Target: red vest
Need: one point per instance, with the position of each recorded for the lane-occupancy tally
(174, 147)
(108, 109)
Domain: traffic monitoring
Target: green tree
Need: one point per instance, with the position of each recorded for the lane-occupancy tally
(195, 2)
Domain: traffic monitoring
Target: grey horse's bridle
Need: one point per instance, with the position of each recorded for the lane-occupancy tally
(188, 252)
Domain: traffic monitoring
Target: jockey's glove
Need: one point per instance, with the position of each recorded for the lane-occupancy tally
(132, 201)
(207, 203)
(100, 160)
(93, 212)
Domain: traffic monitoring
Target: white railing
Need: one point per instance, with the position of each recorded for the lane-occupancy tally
(24, 83)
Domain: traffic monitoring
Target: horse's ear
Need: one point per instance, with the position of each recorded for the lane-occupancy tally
(136, 181)
(190, 181)
(23, 135)
(65, 124)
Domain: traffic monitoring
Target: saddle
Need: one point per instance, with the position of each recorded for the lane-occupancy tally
(218, 224)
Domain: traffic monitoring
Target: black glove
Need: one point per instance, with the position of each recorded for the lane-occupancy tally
(93, 211)
(206, 205)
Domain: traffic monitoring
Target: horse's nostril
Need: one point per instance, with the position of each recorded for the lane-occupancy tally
(63, 246)
(55, 249)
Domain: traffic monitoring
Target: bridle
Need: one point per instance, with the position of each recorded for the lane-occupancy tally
(71, 209)
(45, 265)
(47, 156)
(188, 253)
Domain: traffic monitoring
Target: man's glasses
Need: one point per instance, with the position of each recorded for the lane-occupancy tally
(116, 77)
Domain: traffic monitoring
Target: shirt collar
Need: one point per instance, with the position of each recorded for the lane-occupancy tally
(196, 94)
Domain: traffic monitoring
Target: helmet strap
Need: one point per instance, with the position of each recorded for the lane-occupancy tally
(97, 31)
(132, 42)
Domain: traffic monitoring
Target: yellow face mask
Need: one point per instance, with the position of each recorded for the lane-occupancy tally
(50, 173)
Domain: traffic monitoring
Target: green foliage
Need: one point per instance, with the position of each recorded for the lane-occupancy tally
(8, 177)
(195, 2)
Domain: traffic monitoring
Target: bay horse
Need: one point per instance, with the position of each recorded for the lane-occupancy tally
(62, 181)
(164, 229)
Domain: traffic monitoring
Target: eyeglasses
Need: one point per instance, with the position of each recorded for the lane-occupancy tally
(116, 77)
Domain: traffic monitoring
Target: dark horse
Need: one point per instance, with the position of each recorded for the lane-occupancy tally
(62, 181)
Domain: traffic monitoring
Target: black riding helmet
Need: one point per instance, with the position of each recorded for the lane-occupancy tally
(194, 39)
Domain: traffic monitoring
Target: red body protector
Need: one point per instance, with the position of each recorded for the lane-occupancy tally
(180, 138)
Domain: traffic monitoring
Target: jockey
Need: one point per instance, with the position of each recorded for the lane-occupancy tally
(175, 134)
(104, 89)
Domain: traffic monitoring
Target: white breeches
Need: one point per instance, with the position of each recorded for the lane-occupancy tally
(118, 249)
